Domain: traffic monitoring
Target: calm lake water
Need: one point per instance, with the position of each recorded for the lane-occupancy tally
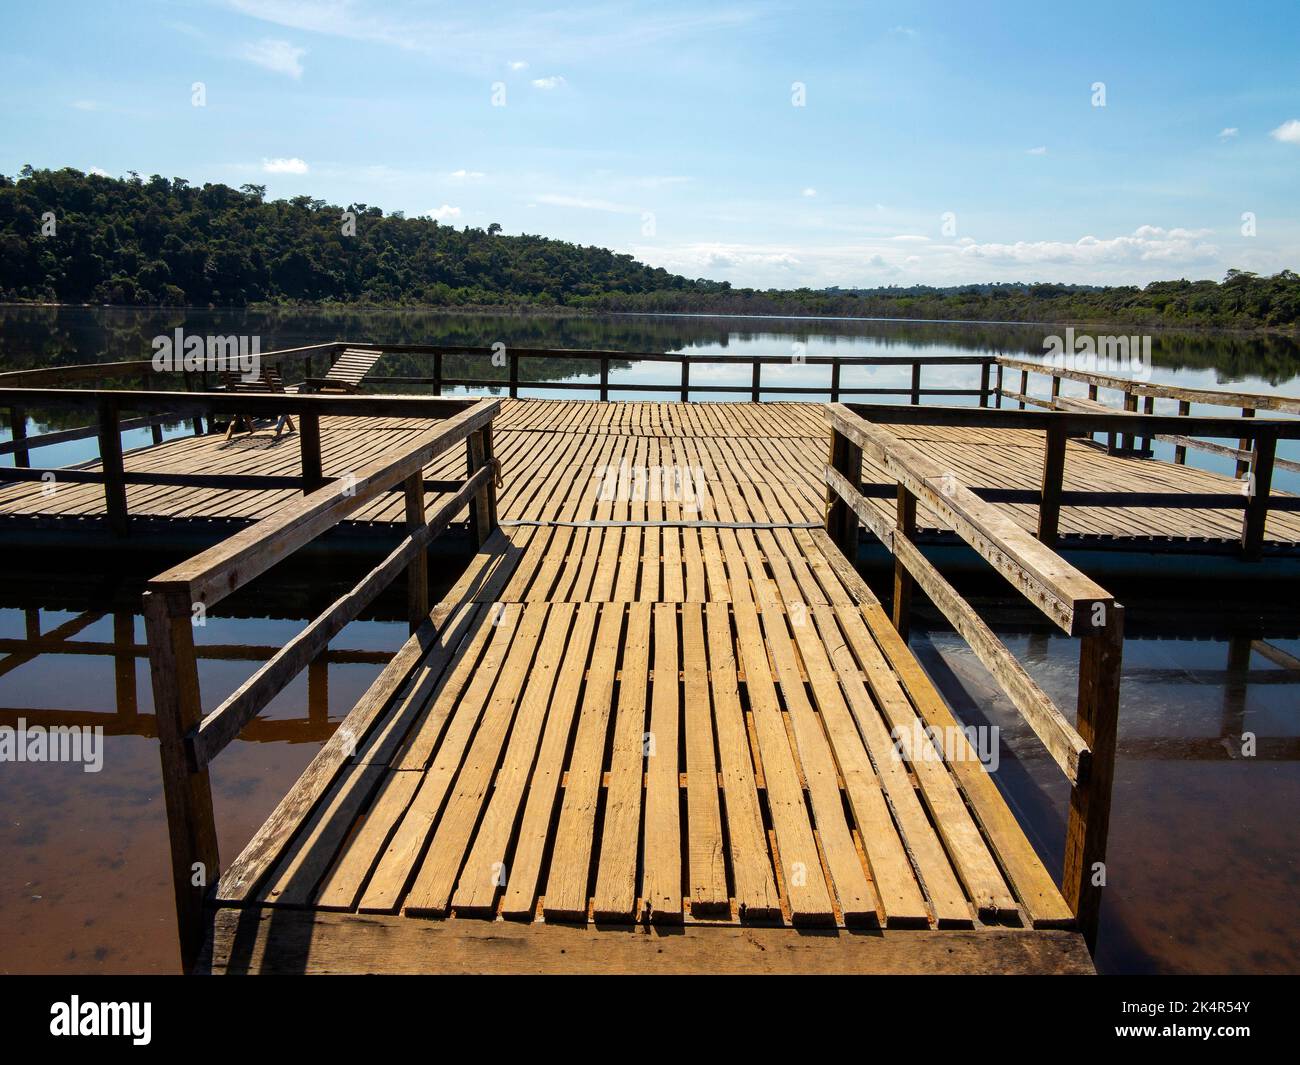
(1203, 869)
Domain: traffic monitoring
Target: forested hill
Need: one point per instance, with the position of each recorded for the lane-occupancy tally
(85, 238)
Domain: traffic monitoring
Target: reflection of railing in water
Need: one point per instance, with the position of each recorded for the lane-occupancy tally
(126, 720)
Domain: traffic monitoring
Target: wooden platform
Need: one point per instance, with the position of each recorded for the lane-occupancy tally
(756, 462)
(648, 734)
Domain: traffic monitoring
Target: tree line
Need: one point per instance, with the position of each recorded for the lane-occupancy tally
(69, 237)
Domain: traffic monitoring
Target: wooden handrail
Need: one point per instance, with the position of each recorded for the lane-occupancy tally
(188, 740)
(1084, 751)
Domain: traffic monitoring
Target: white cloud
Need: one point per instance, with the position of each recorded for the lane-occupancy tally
(519, 64)
(1040, 150)
(1228, 132)
(809, 192)
(97, 171)
(466, 175)
(445, 212)
(87, 105)
(284, 166)
(280, 57)
(554, 81)
(1288, 132)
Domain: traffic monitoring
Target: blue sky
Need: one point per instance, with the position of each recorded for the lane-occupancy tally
(936, 142)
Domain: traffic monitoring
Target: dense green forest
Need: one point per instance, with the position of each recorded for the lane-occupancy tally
(70, 237)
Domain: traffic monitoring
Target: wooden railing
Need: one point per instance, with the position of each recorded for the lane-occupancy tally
(1059, 426)
(1085, 751)
(107, 407)
(189, 740)
(1249, 403)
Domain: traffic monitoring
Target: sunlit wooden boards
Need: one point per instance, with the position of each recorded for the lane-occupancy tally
(279, 941)
(580, 460)
(600, 755)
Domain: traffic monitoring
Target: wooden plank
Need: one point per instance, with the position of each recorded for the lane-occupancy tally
(616, 879)
(566, 885)
(661, 847)
(279, 942)
(705, 864)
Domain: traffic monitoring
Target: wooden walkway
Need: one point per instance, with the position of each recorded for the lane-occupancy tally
(647, 734)
(744, 462)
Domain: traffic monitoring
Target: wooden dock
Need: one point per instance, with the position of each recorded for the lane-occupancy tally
(659, 723)
(759, 462)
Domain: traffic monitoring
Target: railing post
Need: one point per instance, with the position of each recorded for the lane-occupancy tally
(1260, 485)
(1024, 387)
(1049, 503)
(191, 825)
(905, 524)
(483, 507)
(756, 383)
(686, 379)
(196, 421)
(110, 457)
(18, 433)
(417, 573)
(514, 374)
(1243, 466)
(841, 520)
(984, 384)
(604, 377)
(1131, 405)
(835, 381)
(1180, 452)
(916, 384)
(309, 448)
(998, 398)
(1097, 721)
(1056, 388)
(1148, 407)
(437, 373)
(155, 431)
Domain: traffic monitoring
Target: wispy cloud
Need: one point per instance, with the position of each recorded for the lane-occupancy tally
(1288, 132)
(1040, 150)
(1228, 132)
(809, 192)
(284, 166)
(445, 213)
(466, 175)
(98, 172)
(584, 203)
(519, 64)
(280, 57)
(88, 105)
(553, 81)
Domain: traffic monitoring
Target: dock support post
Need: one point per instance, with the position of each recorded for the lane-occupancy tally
(309, 447)
(1243, 465)
(841, 521)
(514, 374)
(1024, 388)
(18, 433)
(1097, 721)
(110, 457)
(1148, 407)
(191, 825)
(483, 506)
(835, 381)
(417, 572)
(437, 373)
(1131, 405)
(1260, 485)
(905, 524)
(984, 384)
(756, 383)
(916, 384)
(1049, 503)
(686, 378)
(997, 401)
(1180, 452)
(604, 378)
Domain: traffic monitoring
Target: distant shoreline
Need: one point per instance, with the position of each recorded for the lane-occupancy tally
(559, 311)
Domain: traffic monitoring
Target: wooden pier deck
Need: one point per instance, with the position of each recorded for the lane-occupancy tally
(754, 462)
